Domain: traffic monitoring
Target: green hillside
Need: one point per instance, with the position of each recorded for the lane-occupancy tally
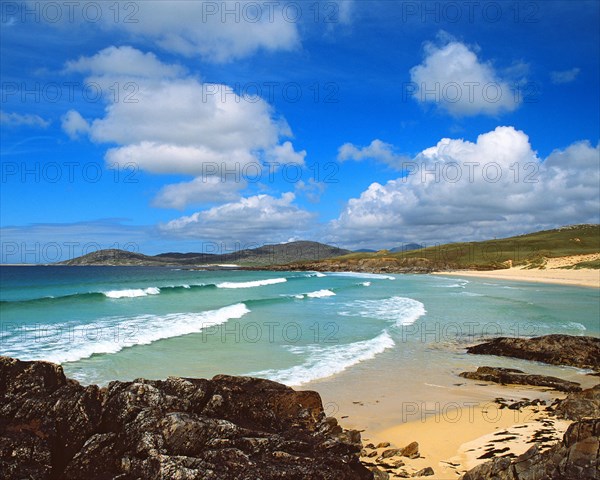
(529, 250)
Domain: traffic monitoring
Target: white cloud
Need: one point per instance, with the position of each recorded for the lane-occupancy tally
(564, 76)
(376, 150)
(259, 219)
(496, 186)
(219, 31)
(124, 62)
(17, 120)
(311, 189)
(74, 124)
(286, 155)
(452, 77)
(199, 190)
(166, 122)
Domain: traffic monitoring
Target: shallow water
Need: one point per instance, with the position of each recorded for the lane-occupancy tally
(299, 328)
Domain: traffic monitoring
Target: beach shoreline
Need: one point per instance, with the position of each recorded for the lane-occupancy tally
(454, 441)
(558, 271)
(462, 429)
(578, 278)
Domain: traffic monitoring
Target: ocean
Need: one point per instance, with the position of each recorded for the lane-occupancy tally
(298, 328)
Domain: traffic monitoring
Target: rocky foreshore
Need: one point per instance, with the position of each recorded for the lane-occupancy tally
(369, 265)
(518, 377)
(574, 351)
(576, 457)
(230, 428)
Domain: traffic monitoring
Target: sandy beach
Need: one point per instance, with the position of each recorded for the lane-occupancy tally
(455, 441)
(554, 272)
(456, 422)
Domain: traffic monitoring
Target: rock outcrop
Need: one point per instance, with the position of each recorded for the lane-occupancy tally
(577, 457)
(582, 352)
(229, 428)
(579, 405)
(518, 377)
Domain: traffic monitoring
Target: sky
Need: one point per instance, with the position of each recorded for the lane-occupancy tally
(212, 126)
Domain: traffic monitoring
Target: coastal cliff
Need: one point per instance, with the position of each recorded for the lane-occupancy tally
(230, 428)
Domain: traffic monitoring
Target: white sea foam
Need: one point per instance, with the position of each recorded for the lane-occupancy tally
(324, 361)
(255, 283)
(459, 284)
(317, 294)
(365, 284)
(575, 326)
(68, 342)
(132, 292)
(320, 294)
(316, 274)
(400, 310)
(361, 275)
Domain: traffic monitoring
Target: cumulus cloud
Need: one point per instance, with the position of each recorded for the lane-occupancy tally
(564, 76)
(218, 31)
(124, 61)
(285, 154)
(376, 150)
(17, 120)
(496, 186)
(74, 124)
(167, 122)
(453, 77)
(260, 218)
(199, 190)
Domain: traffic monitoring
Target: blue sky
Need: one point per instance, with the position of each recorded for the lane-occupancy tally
(161, 126)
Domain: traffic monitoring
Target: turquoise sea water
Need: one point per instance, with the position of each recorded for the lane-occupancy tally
(106, 323)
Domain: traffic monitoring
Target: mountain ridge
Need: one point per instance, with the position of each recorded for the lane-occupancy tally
(274, 254)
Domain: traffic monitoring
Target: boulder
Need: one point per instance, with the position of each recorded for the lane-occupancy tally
(580, 405)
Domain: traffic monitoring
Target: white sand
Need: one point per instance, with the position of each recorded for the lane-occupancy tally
(552, 273)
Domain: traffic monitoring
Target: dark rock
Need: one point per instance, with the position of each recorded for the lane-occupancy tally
(411, 450)
(582, 352)
(379, 474)
(518, 377)
(424, 472)
(580, 405)
(391, 453)
(576, 457)
(225, 428)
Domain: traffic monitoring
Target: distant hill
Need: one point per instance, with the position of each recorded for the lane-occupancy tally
(256, 257)
(407, 248)
(402, 248)
(529, 250)
(183, 255)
